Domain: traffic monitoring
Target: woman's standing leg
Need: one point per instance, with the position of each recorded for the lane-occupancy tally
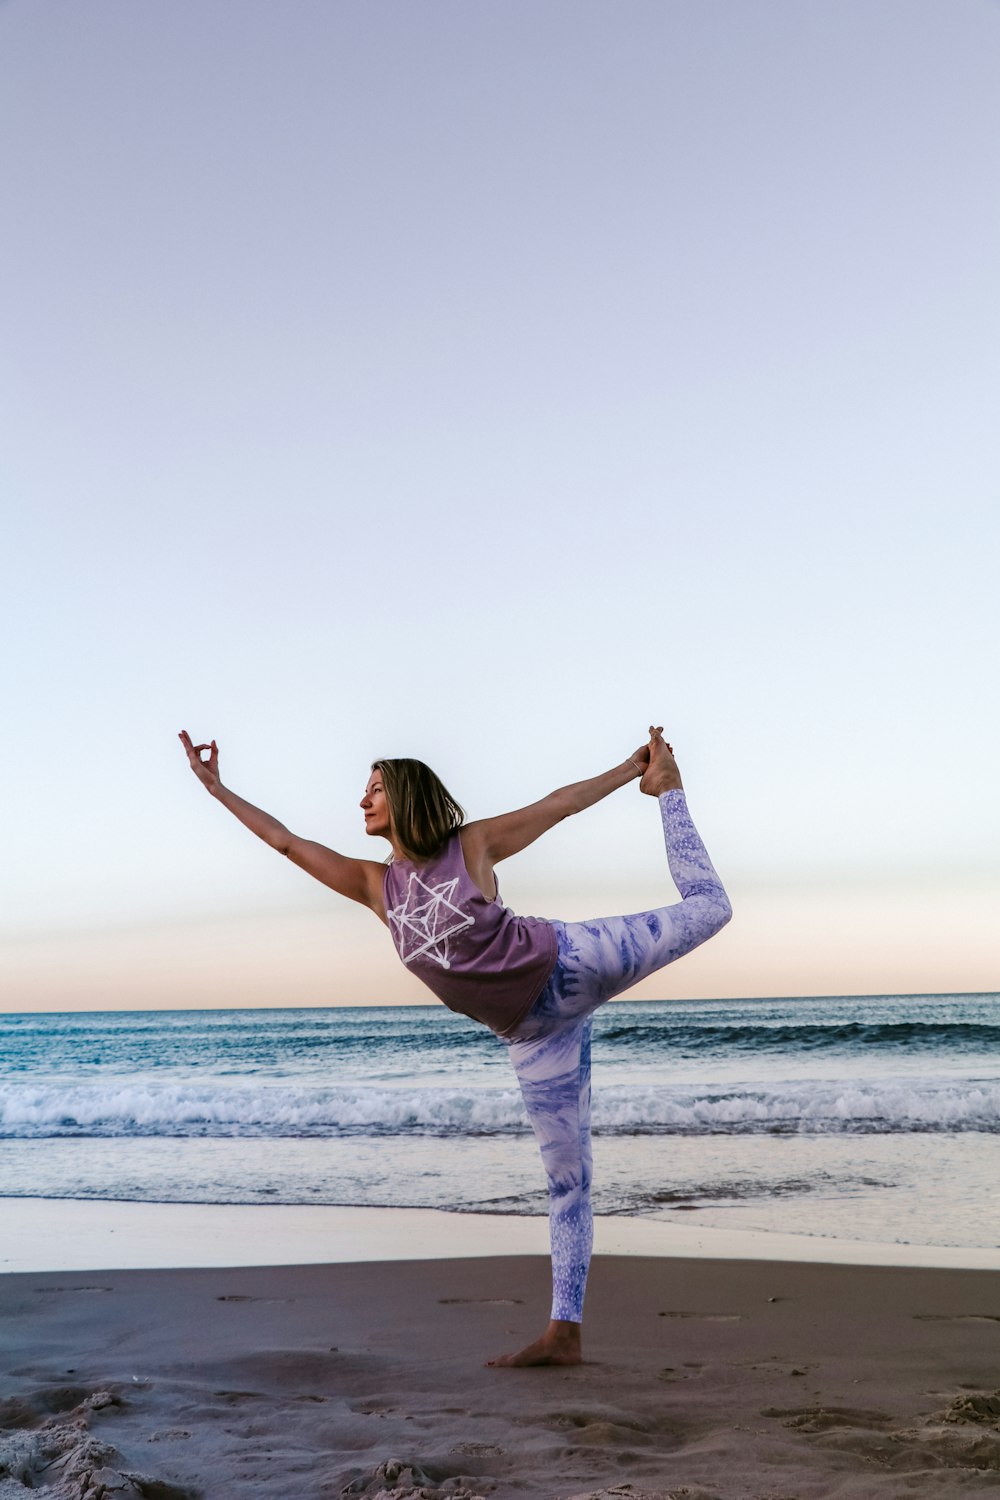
(554, 1076)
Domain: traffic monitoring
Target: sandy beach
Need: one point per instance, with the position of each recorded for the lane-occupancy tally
(704, 1378)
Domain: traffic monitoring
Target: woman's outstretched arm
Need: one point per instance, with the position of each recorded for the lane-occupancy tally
(493, 839)
(358, 879)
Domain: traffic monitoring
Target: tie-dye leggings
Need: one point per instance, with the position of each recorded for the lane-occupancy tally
(550, 1049)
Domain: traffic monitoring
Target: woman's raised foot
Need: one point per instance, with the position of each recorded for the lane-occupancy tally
(559, 1345)
(662, 774)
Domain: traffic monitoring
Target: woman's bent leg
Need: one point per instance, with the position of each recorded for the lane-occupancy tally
(603, 957)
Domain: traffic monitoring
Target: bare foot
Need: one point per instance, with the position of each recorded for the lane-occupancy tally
(662, 775)
(558, 1345)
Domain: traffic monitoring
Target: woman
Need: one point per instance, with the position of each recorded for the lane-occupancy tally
(535, 983)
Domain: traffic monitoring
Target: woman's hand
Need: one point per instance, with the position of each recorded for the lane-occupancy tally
(360, 879)
(640, 759)
(207, 771)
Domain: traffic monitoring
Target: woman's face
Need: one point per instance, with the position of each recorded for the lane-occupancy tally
(375, 808)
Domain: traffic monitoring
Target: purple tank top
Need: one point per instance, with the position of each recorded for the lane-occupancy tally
(476, 956)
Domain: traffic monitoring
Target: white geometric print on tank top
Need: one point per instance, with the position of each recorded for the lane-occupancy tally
(425, 919)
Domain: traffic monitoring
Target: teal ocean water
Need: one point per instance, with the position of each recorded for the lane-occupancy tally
(873, 1118)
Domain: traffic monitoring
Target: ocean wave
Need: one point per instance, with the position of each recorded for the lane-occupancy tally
(958, 1036)
(36, 1111)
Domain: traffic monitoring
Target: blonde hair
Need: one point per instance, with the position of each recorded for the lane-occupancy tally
(422, 812)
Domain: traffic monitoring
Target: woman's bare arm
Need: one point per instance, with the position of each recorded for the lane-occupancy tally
(358, 879)
(490, 840)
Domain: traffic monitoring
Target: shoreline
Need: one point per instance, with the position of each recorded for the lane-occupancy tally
(73, 1234)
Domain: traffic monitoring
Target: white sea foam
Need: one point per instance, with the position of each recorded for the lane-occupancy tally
(32, 1110)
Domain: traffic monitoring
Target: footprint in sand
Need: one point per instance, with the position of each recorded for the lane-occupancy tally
(706, 1317)
(982, 1408)
(629, 1492)
(240, 1297)
(823, 1418)
(410, 1480)
(48, 1290)
(600, 1428)
(482, 1301)
(957, 1317)
(31, 1448)
(945, 1441)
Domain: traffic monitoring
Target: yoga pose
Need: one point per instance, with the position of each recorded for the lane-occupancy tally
(535, 983)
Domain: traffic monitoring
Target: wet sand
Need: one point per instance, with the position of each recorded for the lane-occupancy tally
(53, 1234)
(705, 1379)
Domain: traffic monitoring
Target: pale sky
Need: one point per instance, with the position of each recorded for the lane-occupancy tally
(478, 381)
